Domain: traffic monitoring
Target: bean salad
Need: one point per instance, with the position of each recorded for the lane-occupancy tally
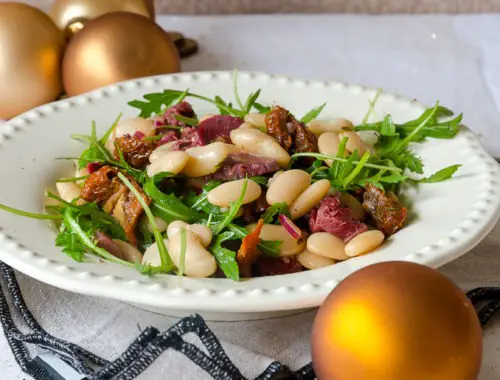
(250, 191)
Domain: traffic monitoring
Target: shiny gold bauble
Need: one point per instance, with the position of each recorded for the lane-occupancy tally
(116, 47)
(396, 321)
(30, 55)
(72, 15)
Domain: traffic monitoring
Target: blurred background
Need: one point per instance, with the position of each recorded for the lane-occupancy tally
(309, 6)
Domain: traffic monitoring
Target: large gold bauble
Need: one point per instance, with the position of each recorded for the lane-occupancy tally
(72, 15)
(31, 48)
(396, 321)
(116, 47)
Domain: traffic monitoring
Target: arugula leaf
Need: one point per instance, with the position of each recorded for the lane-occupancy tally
(200, 203)
(166, 262)
(235, 89)
(252, 98)
(352, 175)
(168, 206)
(156, 102)
(74, 179)
(268, 247)
(414, 134)
(261, 108)
(260, 179)
(413, 162)
(388, 128)
(371, 109)
(349, 165)
(336, 167)
(441, 175)
(226, 259)
(71, 244)
(147, 269)
(95, 152)
(393, 178)
(440, 112)
(231, 213)
(222, 105)
(312, 114)
(108, 133)
(29, 214)
(147, 237)
(431, 126)
(186, 120)
(274, 210)
(86, 238)
(106, 223)
(326, 157)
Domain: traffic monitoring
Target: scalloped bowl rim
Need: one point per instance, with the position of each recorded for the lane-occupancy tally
(241, 298)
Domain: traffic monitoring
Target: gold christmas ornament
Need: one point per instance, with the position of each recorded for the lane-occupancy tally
(394, 321)
(72, 15)
(116, 47)
(30, 56)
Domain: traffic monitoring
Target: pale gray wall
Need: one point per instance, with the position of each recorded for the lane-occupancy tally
(303, 6)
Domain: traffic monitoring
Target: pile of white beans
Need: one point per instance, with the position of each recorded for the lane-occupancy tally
(293, 187)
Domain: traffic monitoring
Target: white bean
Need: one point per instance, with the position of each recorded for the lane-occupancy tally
(160, 224)
(205, 160)
(160, 151)
(257, 119)
(328, 143)
(172, 162)
(288, 186)
(327, 245)
(152, 255)
(319, 127)
(198, 262)
(202, 232)
(370, 138)
(68, 191)
(354, 142)
(206, 117)
(275, 175)
(130, 253)
(358, 212)
(309, 198)
(233, 149)
(312, 261)
(260, 144)
(247, 125)
(229, 192)
(83, 172)
(130, 126)
(275, 232)
(364, 243)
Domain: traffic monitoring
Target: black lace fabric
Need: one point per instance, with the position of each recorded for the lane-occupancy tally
(149, 345)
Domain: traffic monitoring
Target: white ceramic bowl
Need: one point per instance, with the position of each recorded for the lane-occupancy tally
(451, 217)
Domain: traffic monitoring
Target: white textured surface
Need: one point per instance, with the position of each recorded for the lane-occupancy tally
(446, 58)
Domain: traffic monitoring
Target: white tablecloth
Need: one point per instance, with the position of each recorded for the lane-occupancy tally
(455, 59)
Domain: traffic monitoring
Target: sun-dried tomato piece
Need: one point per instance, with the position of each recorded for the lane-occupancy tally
(385, 208)
(305, 140)
(105, 188)
(248, 252)
(135, 151)
(276, 124)
(99, 187)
